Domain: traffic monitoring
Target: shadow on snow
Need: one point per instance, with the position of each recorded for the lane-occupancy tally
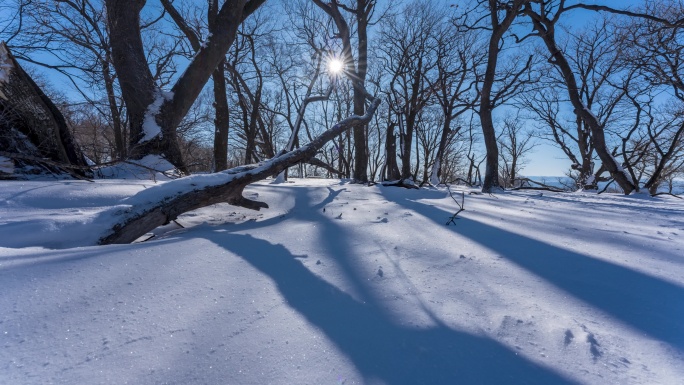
(654, 306)
(378, 347)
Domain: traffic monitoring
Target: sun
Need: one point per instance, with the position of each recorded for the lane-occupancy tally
(335, 66)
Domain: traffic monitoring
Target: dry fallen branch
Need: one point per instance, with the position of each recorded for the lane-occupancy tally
(667, 193)
(537, 186)
(461, 206)
(401, 183)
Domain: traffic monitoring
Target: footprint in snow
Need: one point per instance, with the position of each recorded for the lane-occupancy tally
(568, 337)
(382, 220)
(380, 273)
(593, 344)
(595, 352)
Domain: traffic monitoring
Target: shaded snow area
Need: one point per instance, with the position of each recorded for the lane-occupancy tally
(151, 167)
(343, 284)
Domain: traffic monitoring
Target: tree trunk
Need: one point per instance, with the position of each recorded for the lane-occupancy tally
(143, 100)
(656, 178)
(447, 132)
(491, 179)
(391, 169)
(221, 119)
(128, 57)
(545, 27)
(363, 9)
(31, 125)
(406, 144)
(357, 73)
(117, 125)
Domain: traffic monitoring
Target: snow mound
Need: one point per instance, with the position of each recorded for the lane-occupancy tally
(525, 288)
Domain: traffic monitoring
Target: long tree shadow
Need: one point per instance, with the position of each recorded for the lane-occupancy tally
(652, 305)
(379, 348)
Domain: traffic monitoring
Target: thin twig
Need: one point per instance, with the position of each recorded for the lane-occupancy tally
(461, 206)
(667, 193)
(606, 187)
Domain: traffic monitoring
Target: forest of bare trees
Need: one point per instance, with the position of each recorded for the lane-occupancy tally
(468, 89)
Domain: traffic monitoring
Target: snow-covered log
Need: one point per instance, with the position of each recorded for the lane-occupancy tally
(161, 204)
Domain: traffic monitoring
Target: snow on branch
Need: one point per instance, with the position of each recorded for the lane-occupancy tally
(151, 128)
(163, 203)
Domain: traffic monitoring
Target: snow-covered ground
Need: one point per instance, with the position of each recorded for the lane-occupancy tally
(343, 284)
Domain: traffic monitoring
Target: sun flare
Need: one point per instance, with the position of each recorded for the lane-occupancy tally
(335, 66)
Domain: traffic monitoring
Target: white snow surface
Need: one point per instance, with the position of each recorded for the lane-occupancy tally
(339, 283)
(151, 167)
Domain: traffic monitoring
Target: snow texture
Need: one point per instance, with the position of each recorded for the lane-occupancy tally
(434, 179)
(342, 283)
(150, 126)
(152, 167)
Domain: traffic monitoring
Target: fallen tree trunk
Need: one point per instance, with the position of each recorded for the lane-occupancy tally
(163, 203)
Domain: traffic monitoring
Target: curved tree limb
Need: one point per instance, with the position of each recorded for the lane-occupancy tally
(603, 8)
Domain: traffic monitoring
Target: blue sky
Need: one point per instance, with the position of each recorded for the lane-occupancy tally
(544, 160)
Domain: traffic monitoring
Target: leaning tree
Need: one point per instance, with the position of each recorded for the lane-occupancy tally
(154, 115)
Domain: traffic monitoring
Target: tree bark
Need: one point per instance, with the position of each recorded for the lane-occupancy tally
(221, 119)
(491, 179)
(128, 57)
(356, 72)
(447, 133)
(25, 109)
(391, 168)
(222, 112)
(138, 87)
(546, 29)
(360, 136)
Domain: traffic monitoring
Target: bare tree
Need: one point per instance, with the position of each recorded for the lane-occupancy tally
(153, 114)
(544, 21)
(12, 25)
(596, 58)
(72, 37)
(500, 16)
(459, 55)
(515, 142)
(356, 66)
(408, 46)
(656, 55)
(222, 113)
